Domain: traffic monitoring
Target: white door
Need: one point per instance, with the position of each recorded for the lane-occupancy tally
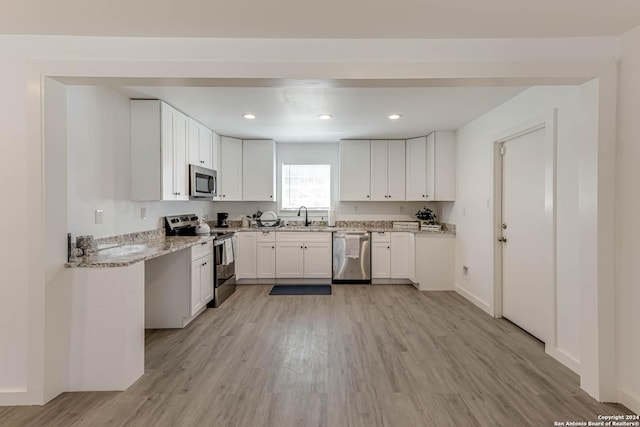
(317, 260)
(266, 260)
(258, 170)
(355, 169)
(379, 171)
(525, 292)
(396, 170)
(230, 178)
(381, 260)
(289, 260)
(416, 169)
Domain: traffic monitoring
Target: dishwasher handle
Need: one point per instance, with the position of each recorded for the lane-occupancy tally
(344, 234)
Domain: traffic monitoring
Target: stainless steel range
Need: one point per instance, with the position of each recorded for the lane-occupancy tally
(224, 252)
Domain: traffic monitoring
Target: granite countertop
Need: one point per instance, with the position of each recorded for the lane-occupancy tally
(331, 229)
(131, 253)
(123, 251)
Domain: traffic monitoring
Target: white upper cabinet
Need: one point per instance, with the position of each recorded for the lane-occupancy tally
(431, 167)
(355, 170)
(230, 172)
(200, 145)
(159, 168)
(388, 170)
(259, 170)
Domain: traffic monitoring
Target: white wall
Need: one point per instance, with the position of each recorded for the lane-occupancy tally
(473, 210)
(25, 59)
(324, 153)
(627, 223)
(98, 122)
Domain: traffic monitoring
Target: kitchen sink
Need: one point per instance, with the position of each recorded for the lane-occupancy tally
(123, 250)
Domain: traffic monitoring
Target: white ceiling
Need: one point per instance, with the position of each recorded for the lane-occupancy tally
(321, 19)
(290, 114)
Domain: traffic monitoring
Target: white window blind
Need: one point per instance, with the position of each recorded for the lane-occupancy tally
(306, 185)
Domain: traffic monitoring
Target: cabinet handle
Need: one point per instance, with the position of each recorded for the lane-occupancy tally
(423, 195)
(301, 247)
(204, 243)
(271, 197)
(204, 264)
(273, 247)
(306, 247)
(367, 196)
(388, 247)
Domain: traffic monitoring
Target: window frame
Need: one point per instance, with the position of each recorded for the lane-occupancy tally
(282, 211)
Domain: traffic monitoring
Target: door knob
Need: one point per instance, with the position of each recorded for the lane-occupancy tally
(502, 239)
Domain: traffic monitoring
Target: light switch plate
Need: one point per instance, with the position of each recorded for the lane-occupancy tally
(143, 213)
(99, 217)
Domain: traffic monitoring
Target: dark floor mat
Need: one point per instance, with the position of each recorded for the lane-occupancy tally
(301, 290)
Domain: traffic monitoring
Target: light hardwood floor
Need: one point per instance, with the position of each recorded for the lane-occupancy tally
(364, 356)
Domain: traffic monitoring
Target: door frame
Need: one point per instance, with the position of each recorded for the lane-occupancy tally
(548, 122)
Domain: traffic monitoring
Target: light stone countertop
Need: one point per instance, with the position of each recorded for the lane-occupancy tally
(129, 253)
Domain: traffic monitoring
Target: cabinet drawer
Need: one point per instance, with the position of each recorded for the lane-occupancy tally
(304, 236)
(201, 250)
(380, 236)
(266, 236)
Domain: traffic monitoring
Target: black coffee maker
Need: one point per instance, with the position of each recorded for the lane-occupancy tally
(222, 220)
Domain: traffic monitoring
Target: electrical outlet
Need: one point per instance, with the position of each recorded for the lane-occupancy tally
(465, 271)
(143, 213)
(99, 216)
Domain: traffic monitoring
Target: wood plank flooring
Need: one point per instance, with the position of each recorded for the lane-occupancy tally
(364, 356)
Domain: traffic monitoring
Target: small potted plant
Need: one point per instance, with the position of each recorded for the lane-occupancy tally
(428, 220)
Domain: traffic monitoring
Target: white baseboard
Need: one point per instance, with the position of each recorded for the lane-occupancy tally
(629, 400)
(563, 357)
(20, 398)
(474, 299)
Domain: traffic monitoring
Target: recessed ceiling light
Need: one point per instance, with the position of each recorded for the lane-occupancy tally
(325, 116)
(394, 116)
(249, 116)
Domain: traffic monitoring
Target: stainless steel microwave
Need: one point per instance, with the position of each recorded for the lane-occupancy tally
(203, 182)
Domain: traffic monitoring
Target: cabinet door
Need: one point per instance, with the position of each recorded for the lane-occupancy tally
(416, 167)
(216, 155)
(205, 147)
(168, 137)
(400, 256)
(181, 167)
(431, 166)
(259, 170)
(266, 260)
(445, 166)
(396, 170)
(317, 260)
(289, 260)
(246, 257)
(379, 173)
(196, 290)
(380, 260)
(355, 170)
(194, 143)
(230, 178)
(206, 280)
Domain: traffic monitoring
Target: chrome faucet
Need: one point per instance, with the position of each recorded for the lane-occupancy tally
(306, 216)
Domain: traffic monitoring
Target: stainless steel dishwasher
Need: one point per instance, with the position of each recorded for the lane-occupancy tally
(351, 257)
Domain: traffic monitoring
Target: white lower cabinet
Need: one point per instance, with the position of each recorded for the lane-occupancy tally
(266, 260)
(247, 254)
(381, 260)
(178, 286)
(201, 282)
(392, 255)
(289, 260)
(303, 255)
(317, 260)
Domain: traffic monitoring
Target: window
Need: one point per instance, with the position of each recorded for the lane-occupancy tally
(306, 185)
